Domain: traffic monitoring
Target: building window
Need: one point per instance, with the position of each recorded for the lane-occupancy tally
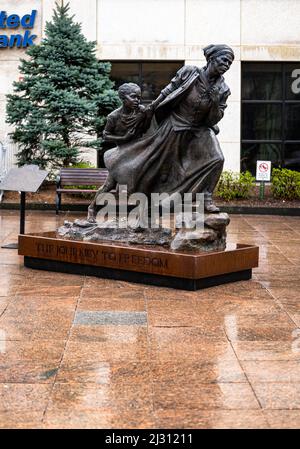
(270, 114)
(152, 77)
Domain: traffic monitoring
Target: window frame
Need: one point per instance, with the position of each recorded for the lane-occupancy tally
(140, 63)
(284, 102)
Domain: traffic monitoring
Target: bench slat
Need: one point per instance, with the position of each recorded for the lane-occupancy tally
(87, 175)
(79, 175)
(76, 190)
(82, 176)
(82, 170)
(85, 178)
(79, 182)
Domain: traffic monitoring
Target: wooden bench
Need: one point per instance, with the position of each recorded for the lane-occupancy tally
(78, 177)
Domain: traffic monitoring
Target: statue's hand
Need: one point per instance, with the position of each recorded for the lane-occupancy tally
(152, 106)
(149, 107)
(149, 110)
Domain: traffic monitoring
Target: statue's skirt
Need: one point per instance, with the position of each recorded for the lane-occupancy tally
(168, 160)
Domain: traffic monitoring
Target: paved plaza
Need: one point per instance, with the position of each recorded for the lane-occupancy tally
(83, 352)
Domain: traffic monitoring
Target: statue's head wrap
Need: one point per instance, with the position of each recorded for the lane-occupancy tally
(212, 51)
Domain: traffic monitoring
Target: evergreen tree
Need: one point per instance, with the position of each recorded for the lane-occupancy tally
(63, 98)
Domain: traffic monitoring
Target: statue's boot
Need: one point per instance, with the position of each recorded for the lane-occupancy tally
(209, 205)
(105, 188)
(91, 217)
(211, 208)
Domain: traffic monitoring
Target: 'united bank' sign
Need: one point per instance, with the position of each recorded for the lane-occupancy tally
(21, 40)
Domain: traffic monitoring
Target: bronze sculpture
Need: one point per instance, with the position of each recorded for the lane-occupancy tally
(124, 124)
(177, 153)
(181, 153)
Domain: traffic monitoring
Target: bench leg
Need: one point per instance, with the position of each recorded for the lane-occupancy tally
(58, 203)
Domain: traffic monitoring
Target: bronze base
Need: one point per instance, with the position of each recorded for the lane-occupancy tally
(142, 264)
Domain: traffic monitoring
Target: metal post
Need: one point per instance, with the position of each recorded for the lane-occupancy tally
(2, 166)
(22, 222)
(261, 190)
(22, 212)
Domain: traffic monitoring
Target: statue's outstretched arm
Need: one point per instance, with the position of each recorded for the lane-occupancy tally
(175, 82)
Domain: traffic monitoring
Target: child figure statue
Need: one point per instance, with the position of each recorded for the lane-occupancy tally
(126, 123)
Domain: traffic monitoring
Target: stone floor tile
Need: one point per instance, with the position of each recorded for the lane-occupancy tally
(179, 374)
(278, 396)
(294, 260)
(273, 259)
(113, 318)
(111, 344)
(276, 326)
(295, 317)
(101, 419)
(97, 371)
(23, 398)
(277, 281)
(10, 270)
(186, 345)
(195, 396)
(211, 419)
(112, 293)
(279, 235)
(246, 289)
(88, 397)
(182, 314)
(49, 290)
(268, 350)
(228, 305)
(9, 283)
(45, 324)
(291, 307)
(286, 272)
(94, 283)
(30, 361)
(111, 334)
(112, 304)
(4, 302)
(272, 370)
(283, 419)
(10, 256)
(36, 303)
(291, 249)
(106, 361)
(21, 420)
(284, 292)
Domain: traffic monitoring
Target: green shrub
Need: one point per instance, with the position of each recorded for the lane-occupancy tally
(82, 164)
(235, 185)
(285, 184)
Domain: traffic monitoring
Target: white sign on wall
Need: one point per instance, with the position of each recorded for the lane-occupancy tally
(263, 170)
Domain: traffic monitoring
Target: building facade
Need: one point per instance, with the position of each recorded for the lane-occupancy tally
(148, 40)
